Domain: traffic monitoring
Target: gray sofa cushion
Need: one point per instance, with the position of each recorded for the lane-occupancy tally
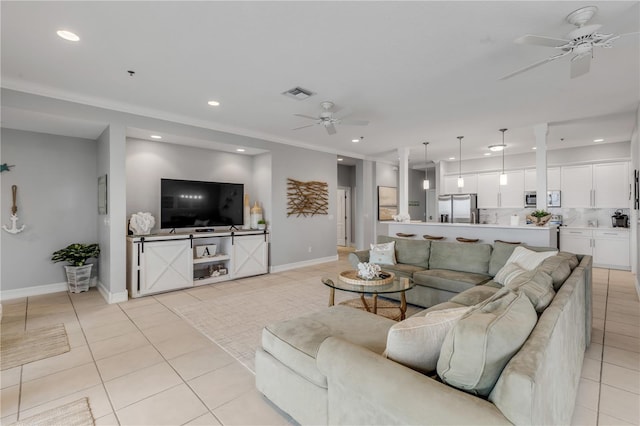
(536, 285)
(475, 295)
(402, 270)
(465, 257)
(483, 341)
(410, 252)
(572, 258)
(499, 255)
(558, 267)
(444, 279)
(295, 342)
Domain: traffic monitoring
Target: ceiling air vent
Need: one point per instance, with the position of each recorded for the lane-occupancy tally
(298, 93)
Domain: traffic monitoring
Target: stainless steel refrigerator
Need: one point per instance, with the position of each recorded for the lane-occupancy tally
(458, 208)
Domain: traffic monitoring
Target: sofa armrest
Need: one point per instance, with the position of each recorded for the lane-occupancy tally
(358, 257)
(366, 388)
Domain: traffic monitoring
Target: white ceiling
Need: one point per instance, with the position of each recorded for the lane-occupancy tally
(416, 70)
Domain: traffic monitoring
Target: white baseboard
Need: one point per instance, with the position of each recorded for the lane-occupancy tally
(289, 266)
(33, 291)
(121, 296)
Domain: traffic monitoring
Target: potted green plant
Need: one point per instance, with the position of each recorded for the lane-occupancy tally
(539, 217)
(262, 224)
(78, 271)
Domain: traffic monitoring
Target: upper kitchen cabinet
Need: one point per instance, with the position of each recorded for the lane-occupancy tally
(604, 185)
(451, 184)
(553, 179)
(492, 195)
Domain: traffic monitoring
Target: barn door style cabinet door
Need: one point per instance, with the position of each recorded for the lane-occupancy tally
(250, 256)
(165, 265)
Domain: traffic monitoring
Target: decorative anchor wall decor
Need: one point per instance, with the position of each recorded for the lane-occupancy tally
(14, 218)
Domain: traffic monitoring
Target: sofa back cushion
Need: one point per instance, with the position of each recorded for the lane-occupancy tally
(558, 267)
(415, 342)
(464, 257)
(537, 285)
(483, 341)
(499, 255)
(409, 252)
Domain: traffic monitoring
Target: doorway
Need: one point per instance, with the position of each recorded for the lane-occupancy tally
(343, 215)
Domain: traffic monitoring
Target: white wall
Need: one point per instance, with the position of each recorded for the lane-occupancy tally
(57, 202)
(147, 162)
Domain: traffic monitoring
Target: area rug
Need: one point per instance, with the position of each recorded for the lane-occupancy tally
(77, 413)
(32, 345)
(235, 321)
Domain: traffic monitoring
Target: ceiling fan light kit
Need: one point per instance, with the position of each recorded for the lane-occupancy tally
(326, 119)
(580, 42)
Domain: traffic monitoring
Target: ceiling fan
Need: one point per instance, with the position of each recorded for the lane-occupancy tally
(580, 42)
(327, 119)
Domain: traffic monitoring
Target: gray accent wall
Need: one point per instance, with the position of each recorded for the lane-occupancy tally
(147, 162)
(57, 186)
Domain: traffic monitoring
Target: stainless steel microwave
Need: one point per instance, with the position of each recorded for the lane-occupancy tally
(553, 199)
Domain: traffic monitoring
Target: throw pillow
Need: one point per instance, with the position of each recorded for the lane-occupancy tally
(482, 342)
(507, 273)
(529, 259)
(416, 341)
(537, 286)
(383, 254)
(558, 267)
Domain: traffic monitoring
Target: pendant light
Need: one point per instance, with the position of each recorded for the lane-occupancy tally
(503, 176)
(425, 183)
(460, 180)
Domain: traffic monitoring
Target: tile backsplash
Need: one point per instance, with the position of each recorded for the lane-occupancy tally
(570, 217)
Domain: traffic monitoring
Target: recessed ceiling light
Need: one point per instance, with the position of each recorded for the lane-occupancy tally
(156, 137)
(67, 35)
(598, 140)
(355, 140)
(340, 158)
(497, 148)
(213, 103)
(452, 158)
(487, 153)
(240, 149)
(534, 148)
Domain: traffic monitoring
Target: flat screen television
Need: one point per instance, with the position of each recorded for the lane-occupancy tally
(196, 204)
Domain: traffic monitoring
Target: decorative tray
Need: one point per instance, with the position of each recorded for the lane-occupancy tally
(351, 277)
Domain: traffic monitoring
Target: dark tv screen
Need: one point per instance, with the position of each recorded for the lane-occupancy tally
(194, 204)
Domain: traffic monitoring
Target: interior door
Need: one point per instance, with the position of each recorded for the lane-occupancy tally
(341, 215)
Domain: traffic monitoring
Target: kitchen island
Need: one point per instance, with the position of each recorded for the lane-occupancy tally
(546, 236)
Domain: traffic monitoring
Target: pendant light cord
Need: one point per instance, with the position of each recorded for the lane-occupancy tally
(503, 147)
(460, 157)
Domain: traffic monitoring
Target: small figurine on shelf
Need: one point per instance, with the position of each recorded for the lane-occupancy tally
(262, 224)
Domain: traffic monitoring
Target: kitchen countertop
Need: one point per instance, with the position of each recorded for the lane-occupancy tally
(472, 225)
(602, 228)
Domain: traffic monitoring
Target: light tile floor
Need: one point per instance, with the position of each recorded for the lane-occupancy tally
(141, 364)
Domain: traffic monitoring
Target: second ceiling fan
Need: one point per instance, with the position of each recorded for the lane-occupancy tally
(328, 121)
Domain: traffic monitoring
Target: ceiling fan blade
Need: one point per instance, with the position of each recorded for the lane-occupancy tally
(354, 122)
(580, 65)
(302, 127)
(330, 129)
(541, 40)
(535, 64)
(306, 116)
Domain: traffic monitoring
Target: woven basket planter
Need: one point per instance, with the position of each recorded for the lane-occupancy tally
(78, 277)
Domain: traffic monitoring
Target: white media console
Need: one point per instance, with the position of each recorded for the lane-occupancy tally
(163, 262)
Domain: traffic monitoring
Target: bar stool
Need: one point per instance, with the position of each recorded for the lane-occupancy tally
(433, 237)
(507, 242)
(467, 240)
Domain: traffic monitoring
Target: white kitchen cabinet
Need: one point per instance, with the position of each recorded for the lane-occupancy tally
(492, 195)
(608, 246)
(611, 248)
(603, 185)
(611, 185)
(451, 184)
(553, 179)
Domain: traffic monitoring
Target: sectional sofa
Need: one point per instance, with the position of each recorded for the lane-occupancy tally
(332, 367)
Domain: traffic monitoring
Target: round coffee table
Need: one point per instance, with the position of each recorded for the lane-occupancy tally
(372, 304)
